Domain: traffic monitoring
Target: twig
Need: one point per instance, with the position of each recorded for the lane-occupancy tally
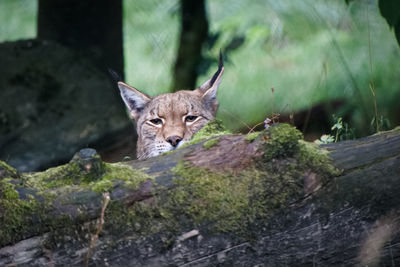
(235, 117)
(255, 126)
(106, 200)
(371, 84)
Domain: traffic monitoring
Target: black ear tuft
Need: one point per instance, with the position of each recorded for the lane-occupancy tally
(114, 75)
(221, 59)
(220, 67)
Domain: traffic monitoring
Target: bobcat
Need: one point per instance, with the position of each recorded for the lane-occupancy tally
(167, 121)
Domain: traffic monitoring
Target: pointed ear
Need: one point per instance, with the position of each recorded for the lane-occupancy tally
(134, 100)
(209, 89)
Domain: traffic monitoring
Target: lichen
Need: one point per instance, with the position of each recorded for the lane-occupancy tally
(210, 143)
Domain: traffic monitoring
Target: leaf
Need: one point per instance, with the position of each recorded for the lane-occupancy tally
(390, 10)
(326, 139)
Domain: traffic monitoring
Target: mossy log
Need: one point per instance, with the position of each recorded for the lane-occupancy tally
(265, 199)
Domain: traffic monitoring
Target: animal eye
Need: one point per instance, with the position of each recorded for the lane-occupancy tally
(190, 118)
(156, 121)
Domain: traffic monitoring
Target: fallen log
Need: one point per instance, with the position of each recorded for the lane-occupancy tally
(265, 199)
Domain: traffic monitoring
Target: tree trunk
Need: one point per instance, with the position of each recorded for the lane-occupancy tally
(194, 32)
(91, 27)
(264, 199)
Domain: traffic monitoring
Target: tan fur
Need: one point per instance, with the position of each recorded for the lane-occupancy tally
(175, 111)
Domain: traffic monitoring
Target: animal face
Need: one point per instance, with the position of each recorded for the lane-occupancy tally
(167, 121)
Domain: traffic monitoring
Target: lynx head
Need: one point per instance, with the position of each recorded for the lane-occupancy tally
(167, 121)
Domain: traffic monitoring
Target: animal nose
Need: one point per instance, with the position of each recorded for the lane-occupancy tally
(174, 140)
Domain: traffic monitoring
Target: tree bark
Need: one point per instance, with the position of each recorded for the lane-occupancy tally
(298, 210)
(93, 28)
(194, 32)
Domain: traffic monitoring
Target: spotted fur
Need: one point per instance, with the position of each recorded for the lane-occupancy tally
(167, 121)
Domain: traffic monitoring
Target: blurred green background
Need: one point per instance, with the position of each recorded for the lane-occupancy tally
(310, 52)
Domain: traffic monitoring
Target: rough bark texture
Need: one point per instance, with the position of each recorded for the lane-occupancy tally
(287, 207)
(194, 31)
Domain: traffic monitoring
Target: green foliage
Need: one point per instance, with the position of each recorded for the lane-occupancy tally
(338, 127)
(18, 19)
(310, 51)
(382, 122)
(341, 132)
(325, 139)
(390, 10)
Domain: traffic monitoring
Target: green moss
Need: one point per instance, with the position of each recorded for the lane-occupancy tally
(210, 129)
(71, 174)
(74, 173)
(7, 171)
(141, 218)
(18, 216)
(210, 143)
(285, 141)
(316, 159)
(235, 203)
(7, 190)
(281, 141)
(252, 136)
(228, 202)
(132, 178)
(168, 152)
(24, 214)
(102, 186)
(88, 164)
(52, 178)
